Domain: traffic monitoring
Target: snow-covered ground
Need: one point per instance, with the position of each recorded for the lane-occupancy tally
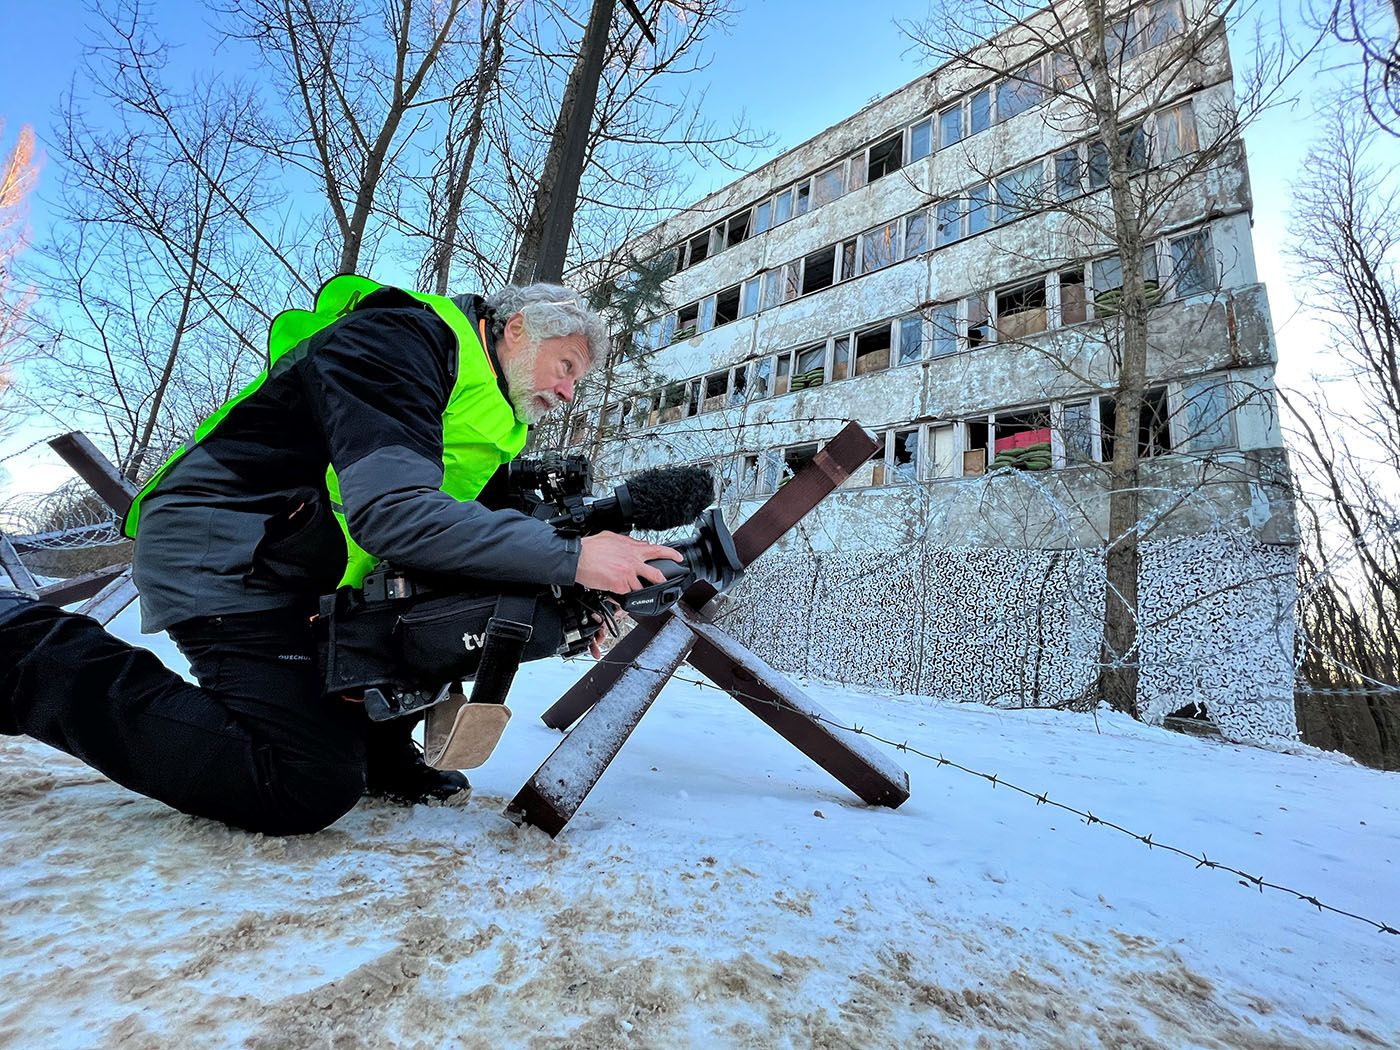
(717, 889)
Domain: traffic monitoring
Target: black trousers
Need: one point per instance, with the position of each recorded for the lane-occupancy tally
(254, 745)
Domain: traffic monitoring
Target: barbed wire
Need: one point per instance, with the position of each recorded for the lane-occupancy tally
(28, 448)
(1041, 798)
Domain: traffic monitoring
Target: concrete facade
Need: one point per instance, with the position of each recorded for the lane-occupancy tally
(951, 293)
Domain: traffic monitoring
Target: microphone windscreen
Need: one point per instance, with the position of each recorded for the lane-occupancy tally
(669, 497)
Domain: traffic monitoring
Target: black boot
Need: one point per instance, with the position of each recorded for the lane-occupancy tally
(395, 770)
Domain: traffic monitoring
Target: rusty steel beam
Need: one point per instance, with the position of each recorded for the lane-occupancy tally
(837, 461)
(783, 707)
(107, 604)
(93, 467)
(553, 795)
(15, 569)
(80, 588)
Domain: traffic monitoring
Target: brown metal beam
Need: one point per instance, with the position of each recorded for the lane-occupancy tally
(15, 569)
(553, 795)
(94, 468)
(837, 461)
(80, 588)
(781, 705)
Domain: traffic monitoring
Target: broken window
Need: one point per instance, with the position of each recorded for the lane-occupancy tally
(915, 234)
(848, 259)
(920, 140)
(727, 306)
(748, 304)
(819, 270)
(716, 390)
(945, 329)
(795, 458)
(979, 209)
(1176, 132)
(758, 475)
(885, 157)
(782, 207)
(1077, 433)
(762, 378)
(1022, 439)
(1209, 423)
(974, 457)
(736, 229)
(873, 350)
(579, 427)
(810, 369)
(879, 247)
(687, 320)
(717, 239)
(762, 217)
(738, 384)
(1193, 264)
(699, 247)
(1068, 181)
(673, 401)
(950, 126)
(904, 461)
(643, 409)
(1021, 311)
(804, 197)
(1020, 91)
(1019, 192)
(979, 111)
(948, 228)
(1073, 307)
(829, 185)
(911, 339)
(1134, 142)
(841, 358)
(979, 322)
(612, 419)
(1108, 282)
(1154, 428)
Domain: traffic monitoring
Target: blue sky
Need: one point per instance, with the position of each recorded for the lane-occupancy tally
(793, 67)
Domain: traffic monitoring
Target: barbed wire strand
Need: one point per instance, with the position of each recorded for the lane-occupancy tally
(1041, 799)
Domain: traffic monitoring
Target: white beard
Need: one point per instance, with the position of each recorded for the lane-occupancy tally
(529, 404)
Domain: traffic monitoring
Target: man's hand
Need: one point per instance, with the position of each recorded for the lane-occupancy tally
(612, 562)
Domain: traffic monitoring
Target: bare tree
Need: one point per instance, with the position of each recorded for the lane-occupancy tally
(357, 82)
(159, 278)
(19, 170)
(1371, 31)
(1346, 218)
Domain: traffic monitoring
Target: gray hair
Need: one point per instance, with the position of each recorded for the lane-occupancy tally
(550, 311)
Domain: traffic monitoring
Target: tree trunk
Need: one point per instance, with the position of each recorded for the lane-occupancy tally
(546, 236)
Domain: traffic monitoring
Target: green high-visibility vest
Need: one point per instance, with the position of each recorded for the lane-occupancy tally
(479, 428)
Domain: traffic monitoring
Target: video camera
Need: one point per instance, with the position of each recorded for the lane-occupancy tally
(403, 640)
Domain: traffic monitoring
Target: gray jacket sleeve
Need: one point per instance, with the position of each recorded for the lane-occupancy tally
(378, 383)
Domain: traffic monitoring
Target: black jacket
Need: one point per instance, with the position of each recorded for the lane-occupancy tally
(243, 522)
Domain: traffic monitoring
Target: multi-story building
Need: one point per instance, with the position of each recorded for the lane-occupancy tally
(941, 267)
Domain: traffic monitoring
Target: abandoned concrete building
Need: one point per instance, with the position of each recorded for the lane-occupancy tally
(930, 268)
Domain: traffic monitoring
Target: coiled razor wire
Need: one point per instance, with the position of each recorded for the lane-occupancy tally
(69, 518)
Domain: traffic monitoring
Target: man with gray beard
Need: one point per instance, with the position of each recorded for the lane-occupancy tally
(379, 420)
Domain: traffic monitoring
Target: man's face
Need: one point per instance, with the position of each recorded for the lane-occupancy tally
(541, 373)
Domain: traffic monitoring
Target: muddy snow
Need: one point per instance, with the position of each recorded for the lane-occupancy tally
(717, 889)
